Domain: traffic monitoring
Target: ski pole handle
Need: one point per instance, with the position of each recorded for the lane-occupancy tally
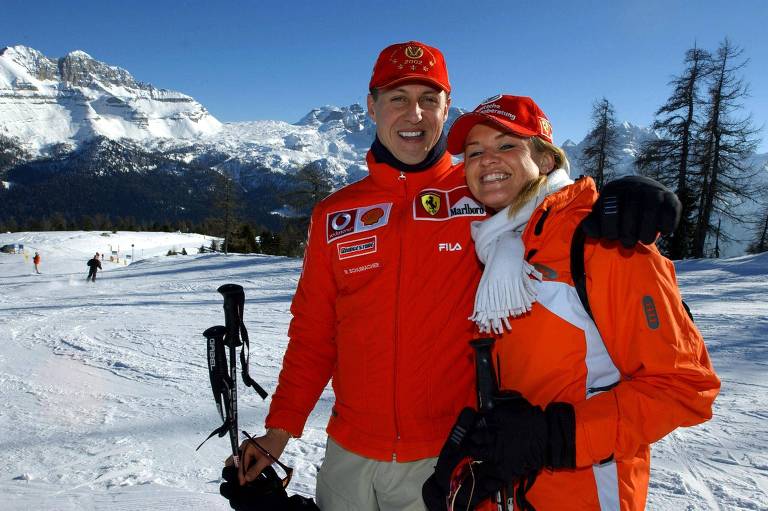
(234, 299)
(485, 375)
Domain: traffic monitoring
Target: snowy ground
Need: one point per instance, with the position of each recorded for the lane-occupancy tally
(104, 390)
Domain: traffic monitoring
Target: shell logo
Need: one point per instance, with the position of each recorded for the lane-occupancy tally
(372, 216)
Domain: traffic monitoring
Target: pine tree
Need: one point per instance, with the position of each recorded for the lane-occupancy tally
(726, 143)
(668, 159)
(314, 184)
(227, 201)
(601, 153)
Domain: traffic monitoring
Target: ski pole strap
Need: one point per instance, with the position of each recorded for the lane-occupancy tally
(234, 306)
(244, 359)
(221, 431)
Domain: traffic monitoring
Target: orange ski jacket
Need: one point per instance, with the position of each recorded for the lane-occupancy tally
(382, 309)
(643, 374)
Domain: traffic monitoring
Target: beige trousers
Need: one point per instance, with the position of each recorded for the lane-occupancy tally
(348, 482)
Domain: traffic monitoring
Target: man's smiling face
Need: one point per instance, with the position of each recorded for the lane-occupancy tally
(409, 119)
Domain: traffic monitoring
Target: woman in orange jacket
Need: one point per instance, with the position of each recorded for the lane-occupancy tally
(593, 394)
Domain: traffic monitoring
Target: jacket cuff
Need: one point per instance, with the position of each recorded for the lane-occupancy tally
(291, 422)
(597, 419)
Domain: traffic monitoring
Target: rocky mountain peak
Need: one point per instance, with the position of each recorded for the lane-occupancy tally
(45, 102)
(79, 68)
(32, 61)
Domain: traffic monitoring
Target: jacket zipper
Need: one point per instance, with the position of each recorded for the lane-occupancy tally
(400, 178)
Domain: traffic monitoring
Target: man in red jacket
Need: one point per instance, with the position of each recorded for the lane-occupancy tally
(383, 302)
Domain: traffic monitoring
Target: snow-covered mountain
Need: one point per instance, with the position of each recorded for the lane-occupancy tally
(46, 102)
(55, 111)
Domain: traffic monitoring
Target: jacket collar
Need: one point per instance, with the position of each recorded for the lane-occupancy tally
(386, 176)
(570, 200)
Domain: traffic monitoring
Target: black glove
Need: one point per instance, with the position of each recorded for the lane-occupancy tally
(475, 487)
(265, 492)
(519, 439)
(633, 208)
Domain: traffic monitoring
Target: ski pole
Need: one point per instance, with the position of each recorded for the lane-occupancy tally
(485, 375)
(487, 390)
(233, 296)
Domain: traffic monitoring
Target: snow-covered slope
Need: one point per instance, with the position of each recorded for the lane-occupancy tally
(104, 390)
(44, 102)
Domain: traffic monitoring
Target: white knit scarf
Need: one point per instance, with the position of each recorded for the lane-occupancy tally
(509, 284)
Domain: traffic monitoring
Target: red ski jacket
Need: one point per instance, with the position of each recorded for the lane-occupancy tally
(643, 374)
(382, 309)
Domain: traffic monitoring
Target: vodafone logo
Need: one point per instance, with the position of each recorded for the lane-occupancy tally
(351, 221)
(341, 221)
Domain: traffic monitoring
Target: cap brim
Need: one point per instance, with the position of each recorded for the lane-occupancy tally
(417, 78)
(457, 136)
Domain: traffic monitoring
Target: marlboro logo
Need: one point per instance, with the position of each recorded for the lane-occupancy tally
(442, 205)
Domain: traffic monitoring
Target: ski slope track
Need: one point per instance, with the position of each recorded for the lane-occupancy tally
(104, 391)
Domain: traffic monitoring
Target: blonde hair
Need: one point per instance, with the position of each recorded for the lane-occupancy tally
(542, 146)
(531, 189)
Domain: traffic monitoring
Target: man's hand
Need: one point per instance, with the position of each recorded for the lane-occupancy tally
(253, 461)
(632, 209)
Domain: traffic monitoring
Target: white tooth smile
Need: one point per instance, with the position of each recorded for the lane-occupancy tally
(494, 178)
(410, 134)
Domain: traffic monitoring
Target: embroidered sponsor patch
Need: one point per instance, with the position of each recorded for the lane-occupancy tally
(442, 205)
(651, 315)
(360, 269)
(350, 221)
(356, 248)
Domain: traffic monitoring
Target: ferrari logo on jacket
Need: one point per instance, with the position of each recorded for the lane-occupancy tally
(439, 205)
(431, 203)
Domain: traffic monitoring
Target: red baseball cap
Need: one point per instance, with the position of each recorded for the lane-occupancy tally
(517, 114)
(410, 62)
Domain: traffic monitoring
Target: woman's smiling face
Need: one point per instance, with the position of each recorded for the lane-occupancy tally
(498, 165)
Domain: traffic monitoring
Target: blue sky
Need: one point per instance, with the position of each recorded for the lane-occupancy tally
(250, 60)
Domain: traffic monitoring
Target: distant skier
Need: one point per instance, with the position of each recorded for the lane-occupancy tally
(94, 265)
(36, 262)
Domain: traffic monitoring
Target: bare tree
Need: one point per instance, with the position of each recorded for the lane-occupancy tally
(669, 158)
(726, 143)
(600, 155)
